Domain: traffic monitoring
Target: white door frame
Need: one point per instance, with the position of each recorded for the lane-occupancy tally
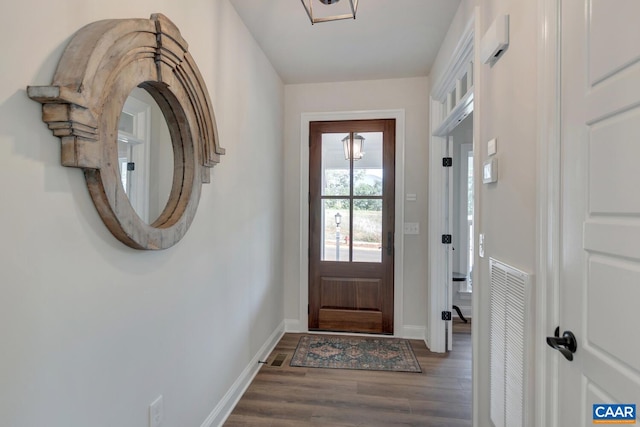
(398, 309)
(438, 253)
(444, 116)
(548, 212)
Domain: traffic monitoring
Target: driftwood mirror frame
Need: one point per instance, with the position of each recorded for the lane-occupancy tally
(99, 68)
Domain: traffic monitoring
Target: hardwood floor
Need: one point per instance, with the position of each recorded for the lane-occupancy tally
(285, 396)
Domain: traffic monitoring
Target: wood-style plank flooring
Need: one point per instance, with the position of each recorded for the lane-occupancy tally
(291, 396)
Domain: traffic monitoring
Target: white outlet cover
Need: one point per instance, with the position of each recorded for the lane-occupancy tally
(156, 412)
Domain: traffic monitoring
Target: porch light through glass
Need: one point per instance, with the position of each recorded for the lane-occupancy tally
(353, 145)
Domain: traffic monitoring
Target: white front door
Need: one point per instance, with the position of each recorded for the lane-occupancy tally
(599, 254)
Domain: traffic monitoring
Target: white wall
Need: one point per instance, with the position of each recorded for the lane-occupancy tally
(409, 94)
(505, 108)
(92, 331)
(507, 105)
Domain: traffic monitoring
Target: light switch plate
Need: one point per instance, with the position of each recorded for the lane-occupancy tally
(411, 228)
(481, 245)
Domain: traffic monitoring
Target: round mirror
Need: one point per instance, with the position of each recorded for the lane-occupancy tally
(145, 155)
(132, 110)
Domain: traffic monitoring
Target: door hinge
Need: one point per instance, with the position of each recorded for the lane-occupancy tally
(446, 239)
(308, 309)
(447, 162)
(446, 315)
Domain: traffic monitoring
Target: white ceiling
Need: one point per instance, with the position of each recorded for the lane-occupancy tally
(388, 38)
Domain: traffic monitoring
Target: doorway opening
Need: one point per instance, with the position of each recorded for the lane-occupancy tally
(461, 218)
(450, 242)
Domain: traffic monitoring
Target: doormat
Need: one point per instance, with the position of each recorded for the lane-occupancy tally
(347, 352)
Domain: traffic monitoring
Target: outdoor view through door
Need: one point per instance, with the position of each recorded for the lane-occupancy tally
(351, 225)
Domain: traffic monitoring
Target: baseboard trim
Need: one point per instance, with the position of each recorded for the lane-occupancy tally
(293, 326)
(223, 409)
(414, 332)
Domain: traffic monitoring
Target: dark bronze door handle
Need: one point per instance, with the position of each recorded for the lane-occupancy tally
(565, 344)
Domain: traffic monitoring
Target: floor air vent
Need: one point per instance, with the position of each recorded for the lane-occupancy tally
(279, 359)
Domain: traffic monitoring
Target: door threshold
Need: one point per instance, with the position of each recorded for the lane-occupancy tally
(352, 334)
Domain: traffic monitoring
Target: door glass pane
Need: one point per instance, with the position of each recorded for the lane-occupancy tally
(367, 171)
(335, 167)
(367, 230)
(335, 230)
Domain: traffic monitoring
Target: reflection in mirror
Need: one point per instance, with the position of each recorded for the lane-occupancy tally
(145, 155)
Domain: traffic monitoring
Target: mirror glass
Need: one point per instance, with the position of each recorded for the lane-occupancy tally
(145, 155)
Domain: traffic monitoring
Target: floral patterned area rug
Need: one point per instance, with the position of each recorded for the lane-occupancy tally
(347, 352)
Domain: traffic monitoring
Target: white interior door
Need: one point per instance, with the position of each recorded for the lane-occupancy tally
(600, 206)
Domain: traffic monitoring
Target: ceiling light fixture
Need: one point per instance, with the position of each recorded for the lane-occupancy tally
(308, 7)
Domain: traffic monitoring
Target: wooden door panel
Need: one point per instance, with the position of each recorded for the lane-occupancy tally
(350, 320)
(337, 293)
(369, 295)
(347, 293)
(350, 269)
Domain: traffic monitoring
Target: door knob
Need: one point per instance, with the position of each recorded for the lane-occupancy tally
(565, 344)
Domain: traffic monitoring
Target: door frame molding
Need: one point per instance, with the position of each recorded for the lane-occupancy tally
(442, 119)
(398, 259)
(548, 211)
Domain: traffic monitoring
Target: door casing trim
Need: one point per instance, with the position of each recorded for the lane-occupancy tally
(548, 212)
(439, 278)
(305, 119)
